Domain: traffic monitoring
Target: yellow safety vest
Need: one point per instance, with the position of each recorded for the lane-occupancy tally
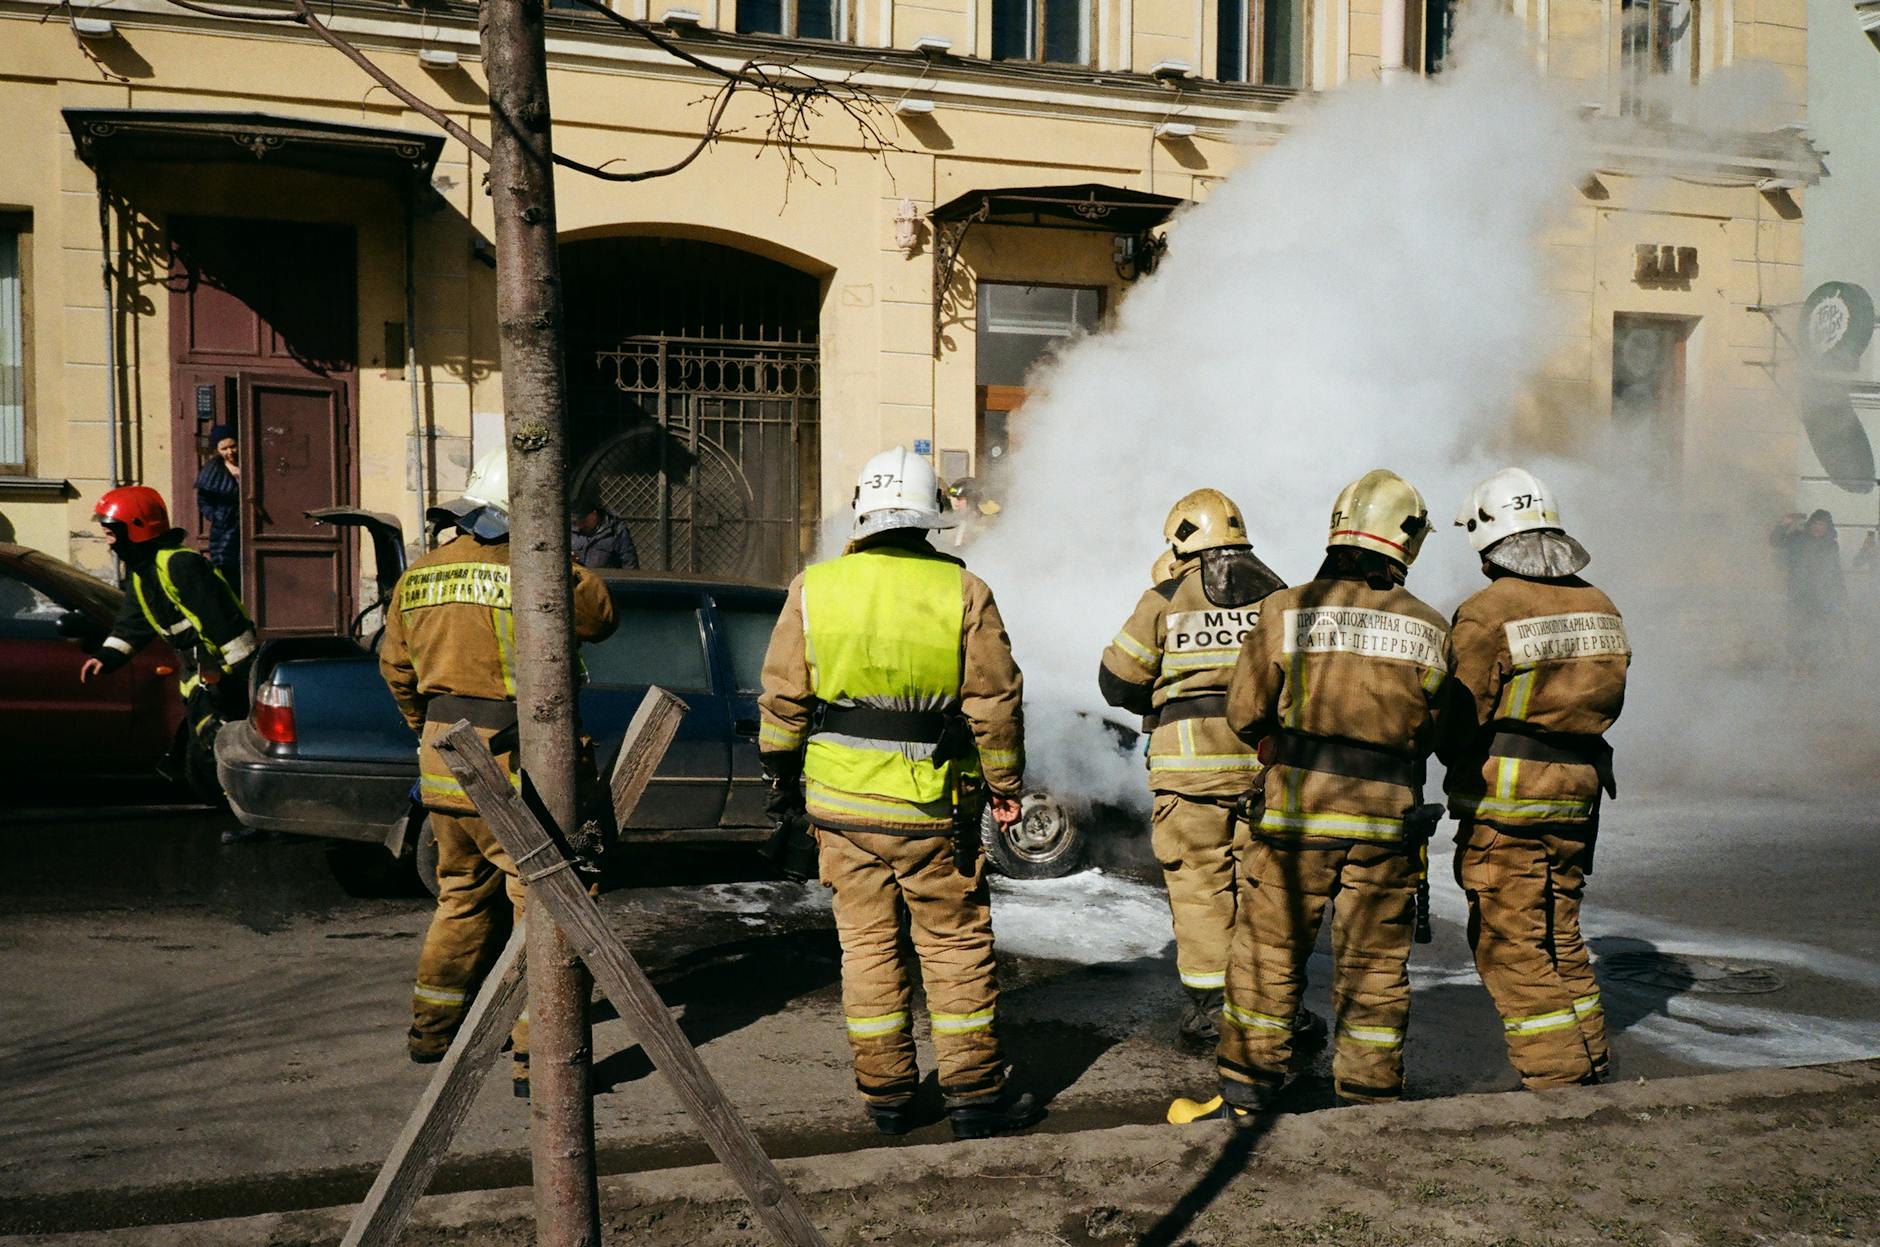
(883, 629)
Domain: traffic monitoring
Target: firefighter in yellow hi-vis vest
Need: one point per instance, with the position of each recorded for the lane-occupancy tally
(1543, 655)
(890, 695)
(1343, 683)
(1171, 663)
(449, 654)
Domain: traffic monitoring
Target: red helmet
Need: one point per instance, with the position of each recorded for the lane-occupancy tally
(138, 508)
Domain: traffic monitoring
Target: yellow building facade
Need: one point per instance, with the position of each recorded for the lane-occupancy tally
(217, 220)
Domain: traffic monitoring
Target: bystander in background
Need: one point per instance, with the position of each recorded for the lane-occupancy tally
(219, 502)
(600, 538)
(1817, 589)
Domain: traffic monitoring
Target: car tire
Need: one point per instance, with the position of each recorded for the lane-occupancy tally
(424, 858)
(1046, 842)
(364, 869)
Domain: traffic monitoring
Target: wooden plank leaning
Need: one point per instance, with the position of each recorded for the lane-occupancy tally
(421, 1146)
(556, 890)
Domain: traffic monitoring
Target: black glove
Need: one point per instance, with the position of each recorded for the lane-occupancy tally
(791, 847)
(783, 782)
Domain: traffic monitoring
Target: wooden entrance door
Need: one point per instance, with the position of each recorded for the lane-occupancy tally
(263, 333)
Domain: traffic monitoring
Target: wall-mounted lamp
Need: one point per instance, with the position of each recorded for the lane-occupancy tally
(933, 45)
(1136, 255)
(1175, 131)
(682, 19)
(913, 107)
(94, 28)
(907, 227)
(437, 60)
(1172, 70)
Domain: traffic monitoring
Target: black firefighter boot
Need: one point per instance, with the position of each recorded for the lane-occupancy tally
(994, 1114)
(1199, 1031)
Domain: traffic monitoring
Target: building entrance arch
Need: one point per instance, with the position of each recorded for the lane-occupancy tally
(694, 378)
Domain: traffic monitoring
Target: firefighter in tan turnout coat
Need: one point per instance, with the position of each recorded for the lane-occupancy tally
(1171, 663)
(449, 654)
(889, 692)
(1341, 682)
(1543, 656)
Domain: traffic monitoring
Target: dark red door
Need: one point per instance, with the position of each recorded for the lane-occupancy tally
(264, 335)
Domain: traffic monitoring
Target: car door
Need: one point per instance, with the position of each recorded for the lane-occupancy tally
(742, 621)
(661, 640)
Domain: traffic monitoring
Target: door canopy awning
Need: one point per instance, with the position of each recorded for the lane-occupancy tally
(1088, 207)
(114, 137)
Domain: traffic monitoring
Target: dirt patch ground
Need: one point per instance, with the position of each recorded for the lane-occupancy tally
(1787, 1156)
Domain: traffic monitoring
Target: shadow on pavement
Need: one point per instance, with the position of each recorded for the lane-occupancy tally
(1229, 1164)
(1630, 1000)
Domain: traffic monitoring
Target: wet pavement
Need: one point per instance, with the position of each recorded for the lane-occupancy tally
(198, 1028)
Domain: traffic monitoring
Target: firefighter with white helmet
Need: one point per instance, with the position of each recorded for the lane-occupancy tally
(1543, 657)
(448, 654)
(1171, 662)
(889, 698)
(1341, 683)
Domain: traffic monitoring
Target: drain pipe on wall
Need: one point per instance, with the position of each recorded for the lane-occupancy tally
(422, 445)
(110, 325)
(1392, 33)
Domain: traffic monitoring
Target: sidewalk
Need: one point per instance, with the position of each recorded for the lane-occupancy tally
(1767, 1156)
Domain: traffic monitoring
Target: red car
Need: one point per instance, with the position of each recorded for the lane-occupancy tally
(125, 723)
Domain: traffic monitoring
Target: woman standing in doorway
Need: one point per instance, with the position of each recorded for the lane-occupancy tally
(218, 501)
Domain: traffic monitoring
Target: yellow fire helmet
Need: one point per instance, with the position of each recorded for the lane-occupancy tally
(1383, 513)
(1205, 520)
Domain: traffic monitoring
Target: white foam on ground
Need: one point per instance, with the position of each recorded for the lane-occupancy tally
(1089, 918)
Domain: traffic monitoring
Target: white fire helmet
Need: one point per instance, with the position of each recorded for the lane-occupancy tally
(898, 489)
(483, 510)
(1514, 503)
(1206, 519)
(1383, 513)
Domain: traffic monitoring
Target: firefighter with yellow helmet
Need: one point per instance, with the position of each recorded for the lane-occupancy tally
(448, 654)
(1171, 663)
(890, 695)
(1341, 682)
(1543, 657)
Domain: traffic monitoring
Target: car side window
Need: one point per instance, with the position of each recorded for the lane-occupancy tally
(26, 614)
(746, 628)
(658, 642)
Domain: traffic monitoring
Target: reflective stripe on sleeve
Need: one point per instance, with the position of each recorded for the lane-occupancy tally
(1135, 649)
(1248, 1019)
(882, 1024)
(960, 1023)
(1539, 1023)
(1202, 981)
(999, 757)
(1373, 1036)
(117, 643)
(240, 648)
(778, 738)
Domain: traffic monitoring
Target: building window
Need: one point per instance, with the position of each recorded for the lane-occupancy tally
(12, 346)
(1055, 31)
(1657, 38)
(1648, 384)
(1261, 41)
(794, 19)
(1018, 326)
(1439, 25)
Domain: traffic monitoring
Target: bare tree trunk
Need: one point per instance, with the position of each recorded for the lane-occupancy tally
(529, 312)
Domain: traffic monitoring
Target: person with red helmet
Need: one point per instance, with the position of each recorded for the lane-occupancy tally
(175, 593)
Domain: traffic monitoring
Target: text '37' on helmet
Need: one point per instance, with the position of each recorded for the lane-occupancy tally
(898, 489)
(1513, 521)
(483, 510)
(138, 509)
(1207, 519)
(1383, 513)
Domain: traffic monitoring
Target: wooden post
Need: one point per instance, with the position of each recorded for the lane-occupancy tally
(648, 737)
(556, 891)
(421, 1145)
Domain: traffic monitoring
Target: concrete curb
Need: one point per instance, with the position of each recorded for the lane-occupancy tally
(1068, 1159)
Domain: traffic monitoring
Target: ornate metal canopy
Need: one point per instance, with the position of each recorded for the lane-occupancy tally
(113, 137)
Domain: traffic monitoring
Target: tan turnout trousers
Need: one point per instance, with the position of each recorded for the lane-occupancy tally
(1199, 845)
(479, 901)
(884, 885)
(1284, 892)
(1524, 928)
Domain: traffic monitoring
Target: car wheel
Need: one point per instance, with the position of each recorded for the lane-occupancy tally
(424, 858)
(367, 870)
(1045, 843)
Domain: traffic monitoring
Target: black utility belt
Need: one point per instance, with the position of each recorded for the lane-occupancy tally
(1206, 706)
(913, 727)
(488, 713)
(1347, 759)
(1559, 747)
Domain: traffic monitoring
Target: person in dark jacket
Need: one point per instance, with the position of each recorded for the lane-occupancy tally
(1817, 588)
(218, 501)
(602, 539)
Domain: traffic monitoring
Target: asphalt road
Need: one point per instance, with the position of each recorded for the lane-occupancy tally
(201, 1029)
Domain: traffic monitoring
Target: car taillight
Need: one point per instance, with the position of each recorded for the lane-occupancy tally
(274, 713)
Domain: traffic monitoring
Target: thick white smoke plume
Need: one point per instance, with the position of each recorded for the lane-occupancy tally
(1371, 292)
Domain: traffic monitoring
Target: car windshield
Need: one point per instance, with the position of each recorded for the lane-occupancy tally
(658, 642)
(71, 583)
(746, 629)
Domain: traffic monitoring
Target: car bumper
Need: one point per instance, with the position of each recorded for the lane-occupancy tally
(309, 796)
